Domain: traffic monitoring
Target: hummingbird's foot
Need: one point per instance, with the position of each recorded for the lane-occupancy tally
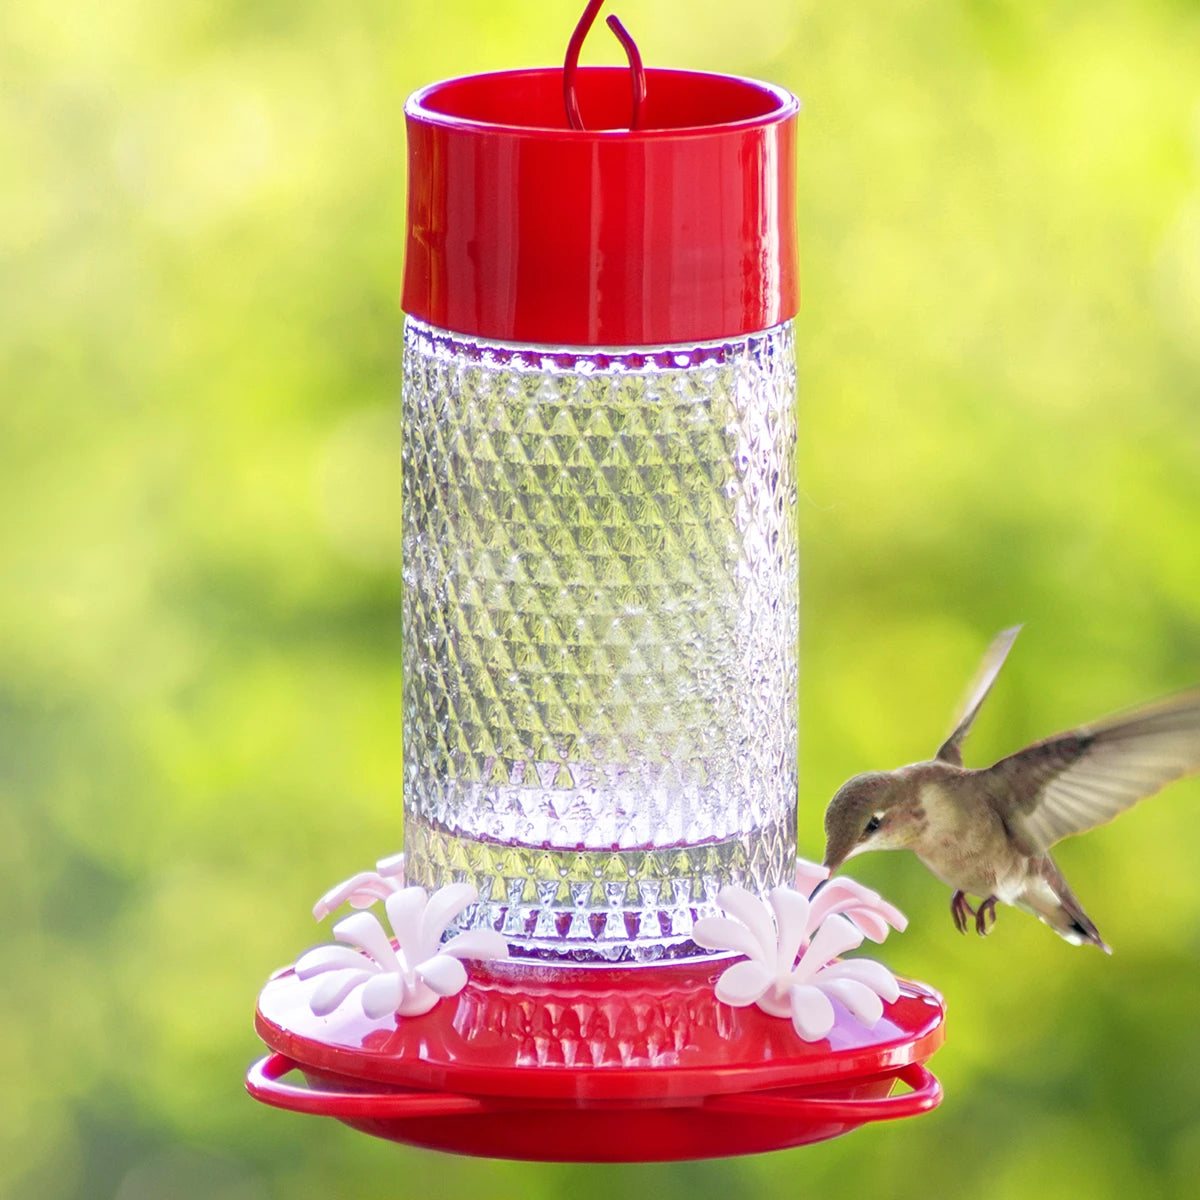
(960, 910)
(985, 917)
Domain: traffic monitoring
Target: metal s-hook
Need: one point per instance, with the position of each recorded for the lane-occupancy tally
(571, 65)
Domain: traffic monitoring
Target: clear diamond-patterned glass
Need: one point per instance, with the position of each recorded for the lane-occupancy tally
(600, 625)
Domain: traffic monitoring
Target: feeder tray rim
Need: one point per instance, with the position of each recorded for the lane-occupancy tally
(286, 1025)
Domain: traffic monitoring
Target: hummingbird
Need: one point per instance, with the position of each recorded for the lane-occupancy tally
(987, 832)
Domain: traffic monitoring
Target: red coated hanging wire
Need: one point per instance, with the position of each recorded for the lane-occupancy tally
(571, 65)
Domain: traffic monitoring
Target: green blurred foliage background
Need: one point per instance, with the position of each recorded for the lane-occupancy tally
(201, 211)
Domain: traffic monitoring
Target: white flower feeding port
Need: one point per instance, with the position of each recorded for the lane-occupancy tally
(409, 978)
(791, 946)
(600, 628)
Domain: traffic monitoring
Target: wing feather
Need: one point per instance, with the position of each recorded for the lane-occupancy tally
(993, 659)
(1078, 780)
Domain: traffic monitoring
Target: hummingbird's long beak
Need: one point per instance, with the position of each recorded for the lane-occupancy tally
(833, 861)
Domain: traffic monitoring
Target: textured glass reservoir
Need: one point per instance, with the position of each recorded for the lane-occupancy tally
(600, 625)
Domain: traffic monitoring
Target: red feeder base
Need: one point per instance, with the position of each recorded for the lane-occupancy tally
(634, 1064)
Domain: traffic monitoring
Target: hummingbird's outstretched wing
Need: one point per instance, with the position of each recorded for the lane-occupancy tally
(951, 749)
(1078, 780)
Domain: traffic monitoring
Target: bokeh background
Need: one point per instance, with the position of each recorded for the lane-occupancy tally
(201, 210)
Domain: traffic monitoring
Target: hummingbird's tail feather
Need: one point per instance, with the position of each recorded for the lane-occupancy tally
(1049, 898)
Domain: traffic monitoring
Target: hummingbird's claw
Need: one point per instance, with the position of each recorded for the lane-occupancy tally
(960, 910)
(985, 917)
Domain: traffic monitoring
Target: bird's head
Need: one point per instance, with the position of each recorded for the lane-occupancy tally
(874, 811)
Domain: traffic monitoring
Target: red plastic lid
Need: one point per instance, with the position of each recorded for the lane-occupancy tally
(523, 229)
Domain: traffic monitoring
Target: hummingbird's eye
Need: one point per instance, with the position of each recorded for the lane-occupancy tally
(872, 825)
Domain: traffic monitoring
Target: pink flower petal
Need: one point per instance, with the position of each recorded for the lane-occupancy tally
(776, 1000)
(871, 923)
(382, 994)
(333, 989)
(444, 905)
(392, 867)
(720, 933)
(791, 920)
(364, 930)
(835, 896)
(858, 999)
(404, 909)
(812, 1013)
(476, 943)
(808, 875)
(746, 907)
(836, 936)
(743, 983)
(362, 891)
(329, 958)
(445, 975)
(842, 894)
(417, 1000)
(868, 972)
(889, 912)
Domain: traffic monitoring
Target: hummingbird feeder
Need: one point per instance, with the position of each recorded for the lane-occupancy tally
(600, 623)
